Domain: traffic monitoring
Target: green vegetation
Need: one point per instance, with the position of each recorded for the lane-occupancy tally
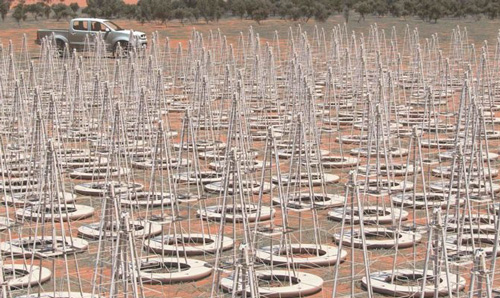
(37, 10)
(104, 8)
(62, 11)
(163, 11)
(4, 8)
(20, 12)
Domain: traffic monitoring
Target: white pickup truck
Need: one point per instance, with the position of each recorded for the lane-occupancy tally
(80, 28)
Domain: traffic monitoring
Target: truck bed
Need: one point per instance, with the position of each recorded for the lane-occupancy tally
(41, 33)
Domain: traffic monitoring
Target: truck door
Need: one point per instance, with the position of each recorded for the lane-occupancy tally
(78, 32)
(96, 28)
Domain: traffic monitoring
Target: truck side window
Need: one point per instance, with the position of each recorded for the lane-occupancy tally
(97, 26)
(80, 25)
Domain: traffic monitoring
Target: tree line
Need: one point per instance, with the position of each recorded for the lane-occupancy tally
(21, 10)
(163, 11)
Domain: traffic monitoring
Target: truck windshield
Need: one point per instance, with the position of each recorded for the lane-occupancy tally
(113, 26)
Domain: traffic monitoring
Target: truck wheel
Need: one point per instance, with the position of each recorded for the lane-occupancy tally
(123, 47)
(60, 47)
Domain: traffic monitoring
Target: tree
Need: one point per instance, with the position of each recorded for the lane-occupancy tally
(195, 13)
(47, 10)
(402, 8)
(261, 13)
(210, 10)
(36, 10)
(145, 10)
(61, 11)
(319, 9)
(217, 8)
(258, 10)
(321, 12)
(238, 8)
(20, 13)
(190, 3)
(104, 8)
(380, 7)
(492, 9)
(129, 11)
(156, 10)
(275, 7)
(4, 8)
(432, 10)
(343, 6)
(162, 10)
(473, 8)
(182, 14)
(363, 8)
(304, 10)
(74, 7)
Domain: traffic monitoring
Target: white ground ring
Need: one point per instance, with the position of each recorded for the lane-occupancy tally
(474, 188)
(71, 152)
(18, 185)
(97, 173)
(202, 177)
(337, 161)
(491, 134)
(26, 275)
(434, 200)
(136, 151)
(139, 229)
(193, 270)
(43, 247)
(100, 189)
(383, 186)
(147, 163)
(489, 239)
(353, 139)
(19, 169)
(485, 155)
(77, 135)
(254, 188)
(202, 146)
(84, 161)
(5, 223)
(262, 135)
(394, 151)
(380, 282)
(340, 120)
(288, 153)
(245, 165)
(397, 169)
(304, 284)
(144, 198)
(483, 223)
(67, 212)
(446, 172)
(221, 154)
(406, 239)
(215, 213)
(188, 197)
(326, 255)
(166, 244)
(316, 179)
(303, 201)
(35, 198)
(372, 214)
